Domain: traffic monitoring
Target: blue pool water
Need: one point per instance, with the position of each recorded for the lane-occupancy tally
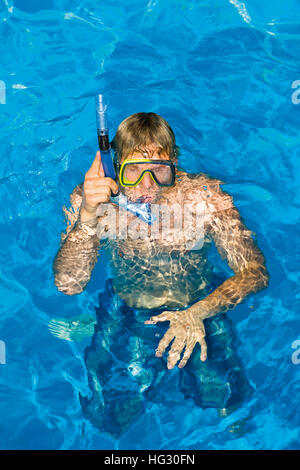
(222, 74)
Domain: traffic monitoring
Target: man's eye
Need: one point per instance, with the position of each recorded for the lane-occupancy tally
(162, 169)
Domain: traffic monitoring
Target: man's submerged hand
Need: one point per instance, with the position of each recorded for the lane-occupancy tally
(187, 329)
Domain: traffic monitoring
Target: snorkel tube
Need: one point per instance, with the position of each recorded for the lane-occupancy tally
(141, 210)
(103, 140)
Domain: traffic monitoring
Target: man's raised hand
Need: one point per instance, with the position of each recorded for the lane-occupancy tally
(97, 188)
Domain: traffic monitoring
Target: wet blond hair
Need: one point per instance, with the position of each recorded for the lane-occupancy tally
(139, 130)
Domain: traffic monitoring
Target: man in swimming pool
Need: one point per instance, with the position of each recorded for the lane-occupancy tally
(148, 136)
(160, 272)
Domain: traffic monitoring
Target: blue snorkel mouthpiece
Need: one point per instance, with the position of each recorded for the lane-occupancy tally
(140, 209)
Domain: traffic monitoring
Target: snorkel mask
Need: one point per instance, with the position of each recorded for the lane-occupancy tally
(133, 170)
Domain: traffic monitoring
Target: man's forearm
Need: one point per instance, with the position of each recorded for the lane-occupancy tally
(77, 257)
(233, 291)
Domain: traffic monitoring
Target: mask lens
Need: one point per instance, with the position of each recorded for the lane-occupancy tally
(132, 172)
(163, 173)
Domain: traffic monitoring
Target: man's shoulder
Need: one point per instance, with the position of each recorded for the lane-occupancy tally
(200, 182)
(77, 192)
(76, 196)
(203, 187)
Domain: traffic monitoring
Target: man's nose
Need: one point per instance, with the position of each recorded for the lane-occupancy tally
(147, 181)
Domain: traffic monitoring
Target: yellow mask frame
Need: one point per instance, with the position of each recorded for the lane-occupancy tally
(127, 183)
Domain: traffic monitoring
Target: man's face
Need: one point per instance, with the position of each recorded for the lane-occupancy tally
(147, 190)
